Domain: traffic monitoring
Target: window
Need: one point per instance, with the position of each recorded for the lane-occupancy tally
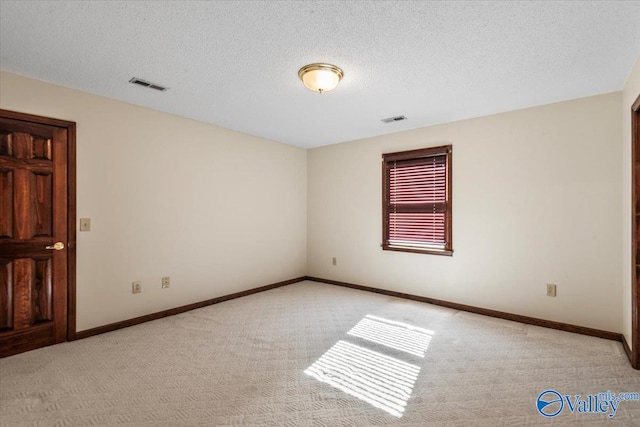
(416, 198)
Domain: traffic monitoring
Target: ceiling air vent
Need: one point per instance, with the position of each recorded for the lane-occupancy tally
(144, 83)
(394, 119)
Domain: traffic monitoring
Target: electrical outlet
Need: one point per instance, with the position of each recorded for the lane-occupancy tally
(334, 261)
(166, 282)
(551, 290)
(136, 287)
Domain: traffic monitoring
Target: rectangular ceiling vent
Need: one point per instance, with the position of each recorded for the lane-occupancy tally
(394, 119)
(144, 83)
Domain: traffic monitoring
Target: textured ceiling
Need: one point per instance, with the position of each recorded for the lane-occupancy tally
(234, 64)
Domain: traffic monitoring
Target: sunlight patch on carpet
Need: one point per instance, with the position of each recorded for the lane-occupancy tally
(382, 381)
(390, 333)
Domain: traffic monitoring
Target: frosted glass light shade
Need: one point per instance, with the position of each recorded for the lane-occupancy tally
(320, 77)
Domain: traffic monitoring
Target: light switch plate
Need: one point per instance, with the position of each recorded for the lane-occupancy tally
(85, 224)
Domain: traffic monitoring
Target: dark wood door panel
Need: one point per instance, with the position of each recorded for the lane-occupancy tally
(34, 207)
(32, 204)
(41, 290)
(635, 236)
(26, 293)
(38, 135)
(6, 204)
(40, 204)
(6, 295)
(22, 285)
(36, 247)
(15, 342)
(7, 163)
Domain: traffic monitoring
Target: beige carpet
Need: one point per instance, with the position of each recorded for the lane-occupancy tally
(311, 354)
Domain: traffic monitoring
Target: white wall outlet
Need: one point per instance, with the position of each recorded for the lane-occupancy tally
(136, 287)
(551, 290)
(334, 261)
(166, 282)
(85, 224)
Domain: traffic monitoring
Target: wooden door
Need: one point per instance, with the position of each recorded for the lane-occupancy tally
(635, 284)
(34, 238)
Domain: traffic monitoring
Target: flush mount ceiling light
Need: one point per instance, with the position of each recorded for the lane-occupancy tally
(320, 77)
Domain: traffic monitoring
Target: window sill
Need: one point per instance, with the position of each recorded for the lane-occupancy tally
(443, 252)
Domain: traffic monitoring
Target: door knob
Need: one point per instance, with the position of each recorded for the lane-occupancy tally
(58, 246)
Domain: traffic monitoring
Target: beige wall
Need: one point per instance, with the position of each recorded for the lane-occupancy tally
(536, 200)
(216, 210)
(630, 93)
